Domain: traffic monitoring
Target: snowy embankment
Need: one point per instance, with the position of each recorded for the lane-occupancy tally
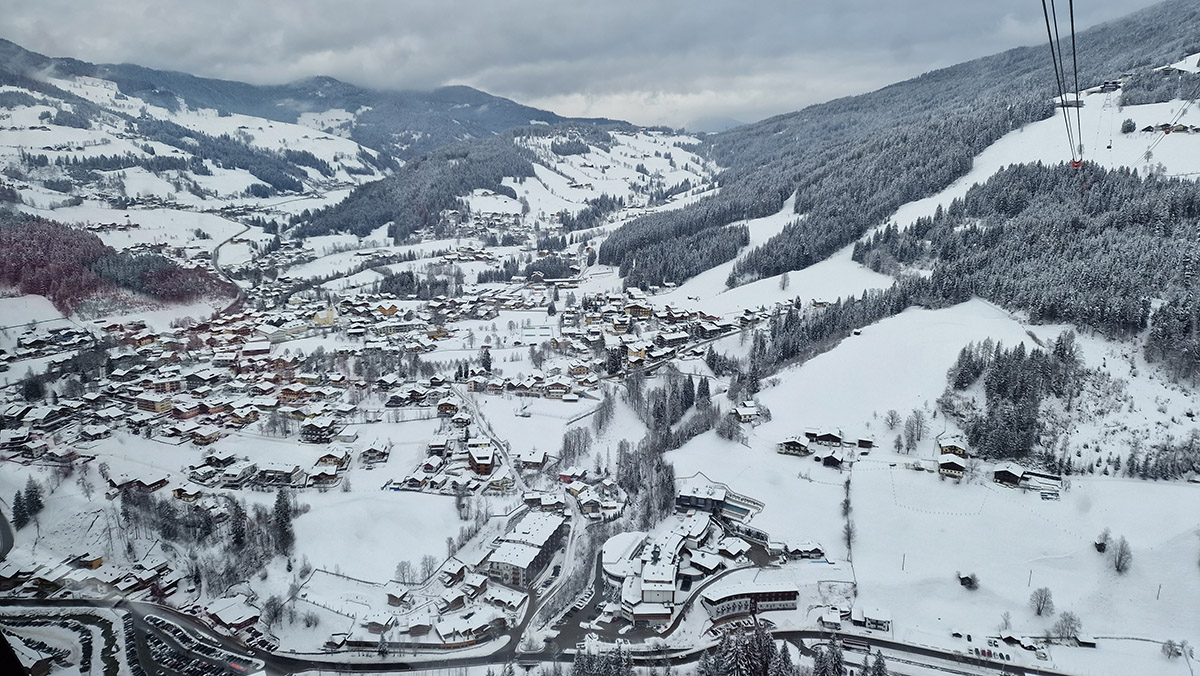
(1104, 144)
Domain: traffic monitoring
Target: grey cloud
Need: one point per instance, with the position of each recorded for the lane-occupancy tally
(650, 62)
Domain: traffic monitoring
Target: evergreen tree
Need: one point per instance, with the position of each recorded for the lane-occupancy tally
(19, 513)
(782, 664)
(760, 652)
(702, 396)
(829, 661)
(736, 657)
(878, 665)
(238, 525)
(707, 666)
(33, 497)
(583, 664)
(688, 398)
(285, 537)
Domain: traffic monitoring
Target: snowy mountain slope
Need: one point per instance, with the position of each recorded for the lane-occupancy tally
(1101, 117)
(402, 124)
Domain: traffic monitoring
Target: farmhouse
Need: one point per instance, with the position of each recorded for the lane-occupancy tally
(794, 445)
(951, 465)
(953, 444)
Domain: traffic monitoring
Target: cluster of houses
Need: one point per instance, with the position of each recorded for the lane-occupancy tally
(831, 618)
(481, 586)
(151, 578)
(38, 342)
(655, 571)
(830, 447)
(458, 461)
(598, 498)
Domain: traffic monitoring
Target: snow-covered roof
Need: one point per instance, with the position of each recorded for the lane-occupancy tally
(515, 554)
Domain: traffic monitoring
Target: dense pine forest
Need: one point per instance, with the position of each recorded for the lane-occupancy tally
(68, 265)
(852, 161)
(1088, 246)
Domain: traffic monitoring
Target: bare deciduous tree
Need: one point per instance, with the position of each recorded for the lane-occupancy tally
(1122, 555)
(1042, 601)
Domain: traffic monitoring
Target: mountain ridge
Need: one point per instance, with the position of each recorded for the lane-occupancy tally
(401, 123)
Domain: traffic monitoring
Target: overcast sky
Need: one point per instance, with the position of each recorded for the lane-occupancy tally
(646, 61)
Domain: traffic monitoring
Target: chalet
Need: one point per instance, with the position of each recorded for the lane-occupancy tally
(221, 459)
(639, 310)
(323, 476)
(674, 339)
(294, 392)
(533, 459)
(216, 406)
(830, 619)
(244, 415)
(951, 465)
(88, 561)
(338, 459)
(94, 432)
(830, 457)
(187, 493)
(396, 594)
(14, 438)
(233, 613)
(475, 584)
(451, 600)
(482, 459)
(793, 446)
(452, 572)
(439, 444)
(1008, 474)
(238, 473)
(557, 389)
(953, 444)
(205, 435)
(318, 430)
(379, 623)
(572, 474)
(746, 412)
(373, 455)
(185, 408)
(501, 482)
(828, 437)
(877, 619)
(806, 549)
(281, 474)
(153, 403)
(258, 347)
(447, 408)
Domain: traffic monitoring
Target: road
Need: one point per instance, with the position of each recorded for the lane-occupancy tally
(216, 261)
(279, 665)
